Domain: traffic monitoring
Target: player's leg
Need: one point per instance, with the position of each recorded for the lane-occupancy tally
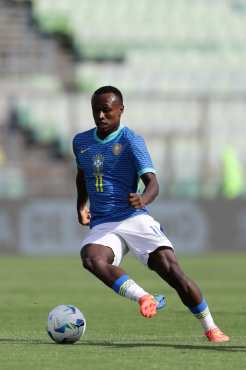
(98, 259)
(102, 261)
(164, 262)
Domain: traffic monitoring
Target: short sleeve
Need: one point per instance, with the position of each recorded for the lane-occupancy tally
(141, 156)
(75, 150)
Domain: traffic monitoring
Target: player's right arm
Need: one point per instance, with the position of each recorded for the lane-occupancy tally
(82, 197)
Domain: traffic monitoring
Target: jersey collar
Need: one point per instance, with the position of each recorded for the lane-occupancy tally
(110, 137)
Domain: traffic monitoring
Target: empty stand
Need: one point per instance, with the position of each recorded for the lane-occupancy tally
(179, 64)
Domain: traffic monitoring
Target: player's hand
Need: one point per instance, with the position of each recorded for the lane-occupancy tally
(136, 200)
(84, 216)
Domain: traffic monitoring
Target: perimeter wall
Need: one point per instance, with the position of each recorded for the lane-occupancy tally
(49, 226)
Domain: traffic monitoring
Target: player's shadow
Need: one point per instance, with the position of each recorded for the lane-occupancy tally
(225, 347)
(206, 347)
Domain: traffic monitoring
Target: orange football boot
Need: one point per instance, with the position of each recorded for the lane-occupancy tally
(150, 304)
(216, 335)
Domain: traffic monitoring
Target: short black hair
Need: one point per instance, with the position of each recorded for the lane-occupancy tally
(108, 89)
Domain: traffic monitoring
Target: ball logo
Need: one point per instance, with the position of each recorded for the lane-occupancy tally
(117, 149)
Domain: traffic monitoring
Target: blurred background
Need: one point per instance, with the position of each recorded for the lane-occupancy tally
(181, 66)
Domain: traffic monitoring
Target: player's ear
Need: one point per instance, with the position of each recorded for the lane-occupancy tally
(122, 109)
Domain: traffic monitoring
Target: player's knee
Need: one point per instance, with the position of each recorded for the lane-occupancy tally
(158, 262)
(93, 262)
(90, 263)
(87, 264)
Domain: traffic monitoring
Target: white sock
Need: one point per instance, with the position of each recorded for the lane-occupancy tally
(202, 313)
(207, 322)
(128, 288)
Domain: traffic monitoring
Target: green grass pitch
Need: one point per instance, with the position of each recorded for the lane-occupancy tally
(117, 337)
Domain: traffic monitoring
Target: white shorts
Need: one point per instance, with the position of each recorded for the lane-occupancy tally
(139, 235)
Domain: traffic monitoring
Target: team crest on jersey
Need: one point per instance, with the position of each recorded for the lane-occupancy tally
(98, 164)
(117, 149)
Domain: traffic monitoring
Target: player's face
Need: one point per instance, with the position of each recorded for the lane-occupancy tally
(107, 109)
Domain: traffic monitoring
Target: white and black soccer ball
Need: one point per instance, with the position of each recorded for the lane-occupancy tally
(66, 324)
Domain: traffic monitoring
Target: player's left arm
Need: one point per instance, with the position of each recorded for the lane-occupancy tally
(150, 192)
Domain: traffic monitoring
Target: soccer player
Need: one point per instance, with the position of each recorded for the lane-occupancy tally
(111, 159)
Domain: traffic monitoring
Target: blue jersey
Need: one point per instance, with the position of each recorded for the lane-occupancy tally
(112, 168)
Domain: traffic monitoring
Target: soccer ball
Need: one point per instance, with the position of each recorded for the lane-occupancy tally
(66, 324)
